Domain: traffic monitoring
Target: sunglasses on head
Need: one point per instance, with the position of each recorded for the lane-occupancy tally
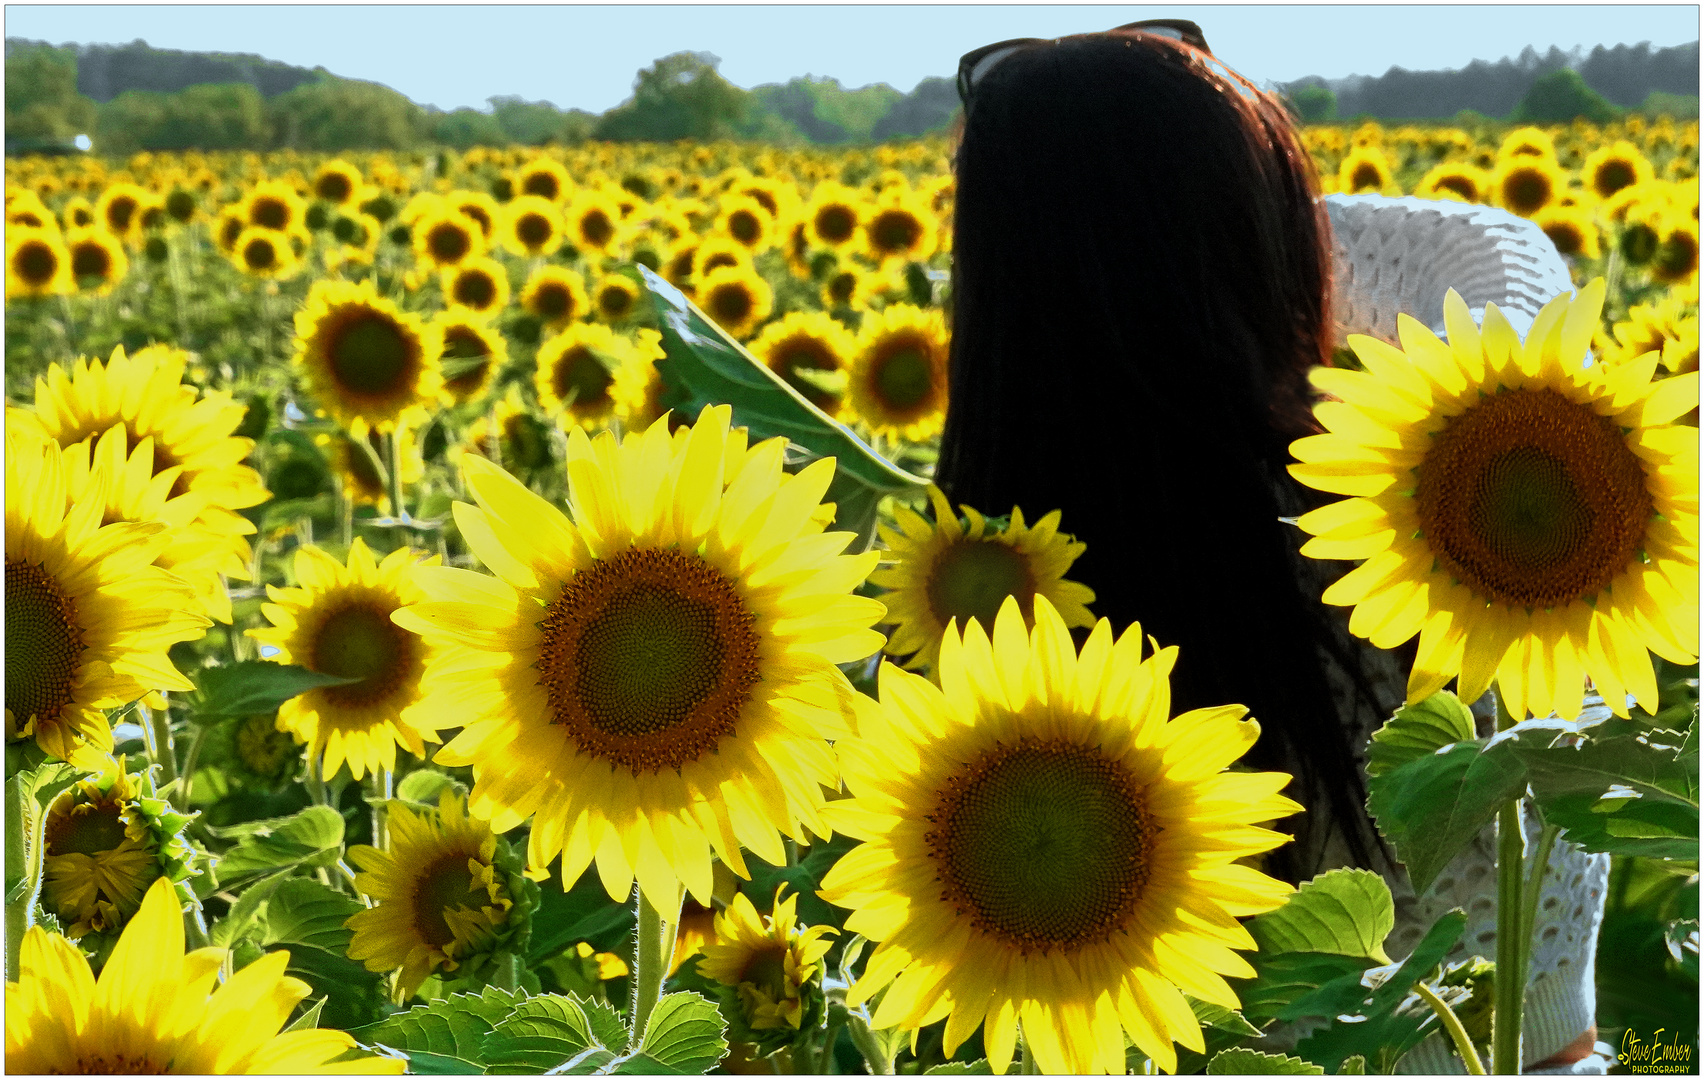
(979, 62)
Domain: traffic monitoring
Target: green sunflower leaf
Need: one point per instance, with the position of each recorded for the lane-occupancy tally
(1353, 1065)
(685, 1033)
(252, 687)
(1419, 730)
(313, 837)
(304, 912)
(544, 1033)
(310, 1018)
(1431, 807)
(704, 366)
(1242, 1061)
(582, 913)
(454, 1027)
(423, 786)
(1342, 912)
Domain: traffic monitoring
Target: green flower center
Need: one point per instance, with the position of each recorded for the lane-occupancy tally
(361, 642)
(370, 355)
(581, 380)
(1532, 500)
(446, 885)
(262, 748)
(180, 205)
(649, 658)
(904, 379)
(767, 971)
(972, 578)
(1044, 844)
(89, 829)
(1639, 243)
(44, 643)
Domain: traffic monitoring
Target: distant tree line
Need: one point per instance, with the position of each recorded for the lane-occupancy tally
(135, 97)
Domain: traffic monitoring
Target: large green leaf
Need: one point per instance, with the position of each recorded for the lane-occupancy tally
(252, 688)
(1344, 912)
(1431, 807)
(582, 913)
(1245, 1062)
(303, 912)
(313, 837)
(1624, 788)
(704, 366)
(1419, 730)
(543, 1034)
(454, 1027)
(685, 1033)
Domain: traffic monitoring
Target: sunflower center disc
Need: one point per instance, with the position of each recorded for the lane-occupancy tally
(533, 230)
(896, 230)
(476, 290)
(1612, 177)
(581, 379)
(270, 214)
(360, 643)
(259, 254)
(971, 579)
(1529, 499)
(767, 970)
(731, 303)
(44, 644)
(449, 243)
(553, 301)
(1045, 844)
(90, 260)
(262, 748)
(90, 829)
(597, 228)
(903, 379)
(1526, 190)
(36, 264)
(648, 658)
(835, 224)
(369, 355)
(446, 884)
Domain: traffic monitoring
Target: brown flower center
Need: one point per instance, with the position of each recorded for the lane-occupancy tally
(44, 643)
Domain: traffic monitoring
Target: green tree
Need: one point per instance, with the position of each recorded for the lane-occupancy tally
(465, 128)
(41, 94)
(214, 116)
(345, 114)
(1560, 97)
(681, 96)
(1315, 104)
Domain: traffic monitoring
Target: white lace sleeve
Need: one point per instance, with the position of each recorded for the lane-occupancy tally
(1402, 255)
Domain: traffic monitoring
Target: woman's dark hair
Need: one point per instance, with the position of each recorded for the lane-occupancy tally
(1140, 285)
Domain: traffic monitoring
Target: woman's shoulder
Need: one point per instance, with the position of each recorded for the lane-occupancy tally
(1402, 255)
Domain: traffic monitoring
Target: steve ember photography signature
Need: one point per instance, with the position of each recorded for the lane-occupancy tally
(1662, 1052)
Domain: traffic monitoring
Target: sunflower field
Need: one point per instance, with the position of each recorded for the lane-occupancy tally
(447, 598)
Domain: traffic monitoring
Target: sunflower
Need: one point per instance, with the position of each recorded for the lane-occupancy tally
(556, 295)
(593, 222)
(273, 204)
(1455, 179)
(157, 1010)
(442, 897)
(264, 253)
(1612, 168)
(182, 206)
(97, 258)
(1366, 169)
(118, 210)
(1649, 328)
(1525, 185)
(105, 840)
(767, 965)
(338, 621)
(447, 238)
(1533, 519)
(719, 252)
(835, 216)
(337, 182)
(479, 206)
(900, 227)
(479, 285)
(360, 471)
(1043, 847)
(530, 226)
(523, 442)
(362, 358)
(898, 381)
(850, 287)
(88, 619)
(737, 299)
(77, 213)
(1676, 261)
(745, 221)
(544, 178)
(1571, 229)
(675, 696)
(641, 401)
(37, 264)
(615, 298)
(948, 570)
(1528, 142)
(810, 342)
(473, 354)
(587, 374)
(230, 225)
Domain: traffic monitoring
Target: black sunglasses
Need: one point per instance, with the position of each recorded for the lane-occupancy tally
(979, 62)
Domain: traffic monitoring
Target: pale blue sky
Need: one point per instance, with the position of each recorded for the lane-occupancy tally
(585, 57)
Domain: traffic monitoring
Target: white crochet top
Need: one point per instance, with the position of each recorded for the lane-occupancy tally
(1402, 255)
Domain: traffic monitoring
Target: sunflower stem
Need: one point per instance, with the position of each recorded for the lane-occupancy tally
(1512, 947)
(345, 517)
(1453, 1025)
(163, 751)
(652, 952)
(1027, 1065)
(870, 1045)
(22, 873)
(393, 481)
(381, 806)
(180, 797)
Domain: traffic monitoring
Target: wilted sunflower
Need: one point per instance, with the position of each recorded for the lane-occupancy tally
(363, 359)
(615, 298)
(1455, 178)
(447, 238)
(337, 182)
(898, 381)
(338, 621)
(37, 264)
(583, 374)
(1046, 848)
(480, 286)
(443, 899)
(97, 259)
(556, 295)
(810, 342)
(530, 226)
(676, 694)
(1365, 169)
(156, 1010)
(737, 299)
(182, 205)
(767, 964)
(1610, 169)
(1525, 185)
(88, 619)
(473, 354)
(264, 253)
(900, 227)
(1533, 519)
(949, 570)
